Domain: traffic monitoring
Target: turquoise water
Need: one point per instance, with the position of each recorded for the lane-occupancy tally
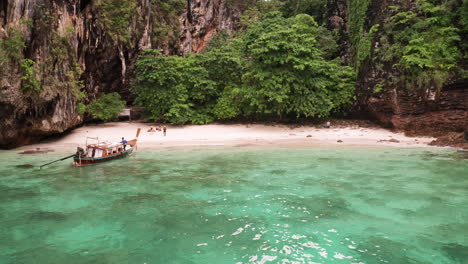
(238, 205)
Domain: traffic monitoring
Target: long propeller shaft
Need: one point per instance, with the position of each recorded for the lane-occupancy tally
(64, 158)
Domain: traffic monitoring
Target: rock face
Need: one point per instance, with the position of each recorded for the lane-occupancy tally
(74, 53)
(447, 111)
(424, 112)
(203, 19)
(27, 116)
(337, 18)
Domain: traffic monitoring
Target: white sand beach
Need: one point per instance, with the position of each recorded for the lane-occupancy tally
(236, 135)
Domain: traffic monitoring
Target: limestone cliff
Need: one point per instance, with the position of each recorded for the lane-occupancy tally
(423, 111)
(203, 19)
(56, 54)
(76, 51)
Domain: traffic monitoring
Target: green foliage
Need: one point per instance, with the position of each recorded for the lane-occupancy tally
(11, 50)
(403, 18)
(424, 49)
(218, 41)
(45, 18)
(81, 108)
(364, 46)
(225, 66)
(12, 47)
(3, 59)
(288, 74)
(276, 69)
(166, 14)
(73, 82)
(115, 17)
(254, 11)
(29, 77)
(159, 85)
(57, 69)
(464, 15)
(326, 42)
(315, 8)
(379, 87)
(191, 89)
(60, 46)
(106, 108)
(61, 71)
(176, 89)
(357, 16)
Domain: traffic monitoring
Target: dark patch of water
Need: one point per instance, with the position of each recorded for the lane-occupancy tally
(139, 198)
(46, 216)
(279, 172)
(7, 192)
(456, 252)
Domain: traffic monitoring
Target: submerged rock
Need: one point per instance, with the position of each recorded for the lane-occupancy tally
(36, 151)
(25, 166)
(17, 192)
(45, 215)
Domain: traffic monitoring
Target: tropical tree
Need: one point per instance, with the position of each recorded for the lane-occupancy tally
(287, 73)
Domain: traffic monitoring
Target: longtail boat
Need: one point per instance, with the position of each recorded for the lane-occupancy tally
(103, 151)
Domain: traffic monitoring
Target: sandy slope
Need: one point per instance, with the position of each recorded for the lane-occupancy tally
(236, 135)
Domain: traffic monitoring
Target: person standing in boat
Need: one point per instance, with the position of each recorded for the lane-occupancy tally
(124, 143)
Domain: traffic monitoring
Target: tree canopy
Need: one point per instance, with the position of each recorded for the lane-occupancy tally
(106, 107)
(275, 69)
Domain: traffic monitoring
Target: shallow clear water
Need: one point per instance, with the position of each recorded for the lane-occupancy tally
(238, 205)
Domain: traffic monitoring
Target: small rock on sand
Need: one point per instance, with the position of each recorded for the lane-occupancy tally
(339, 141)
(309, 135)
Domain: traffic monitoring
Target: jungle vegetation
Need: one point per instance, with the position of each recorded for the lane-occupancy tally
(276, 68)
(284, 64)
(281, 63)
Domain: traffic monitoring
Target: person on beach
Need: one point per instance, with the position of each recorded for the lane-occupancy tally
(327, 125)
(164, 130)
(124, 143)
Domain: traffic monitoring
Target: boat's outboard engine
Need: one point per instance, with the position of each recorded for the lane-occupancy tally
(80, 152)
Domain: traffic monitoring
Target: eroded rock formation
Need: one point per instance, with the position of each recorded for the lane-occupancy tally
(427, 111)
(423, 113)
(202, 20)
(27, 115)
(67, 44)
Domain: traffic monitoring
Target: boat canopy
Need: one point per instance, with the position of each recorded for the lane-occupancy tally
(95, 152)
(103, 149)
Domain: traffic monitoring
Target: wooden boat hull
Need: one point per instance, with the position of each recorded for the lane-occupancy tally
(79, 162)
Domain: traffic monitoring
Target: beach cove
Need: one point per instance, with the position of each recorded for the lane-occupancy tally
(233, 132)
(235, 135)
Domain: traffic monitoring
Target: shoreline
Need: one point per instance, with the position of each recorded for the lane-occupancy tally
(235, 135)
